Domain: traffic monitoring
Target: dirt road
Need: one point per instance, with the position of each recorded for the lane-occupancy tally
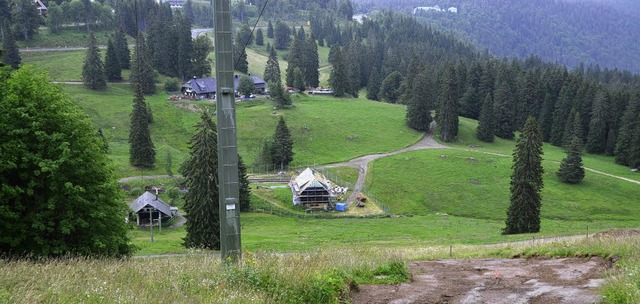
(512, 281)
(362, 163)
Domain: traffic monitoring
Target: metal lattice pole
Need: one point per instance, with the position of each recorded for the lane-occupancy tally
(227, 142)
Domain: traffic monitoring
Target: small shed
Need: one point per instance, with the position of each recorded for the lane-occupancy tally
(312, 190)
(148, 206)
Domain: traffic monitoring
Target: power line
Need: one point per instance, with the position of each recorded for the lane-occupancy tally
(249, 38)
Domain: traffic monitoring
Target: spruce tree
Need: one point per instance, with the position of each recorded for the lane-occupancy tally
(571, 170)
(311, 63)
(486, 122)
(122, 48)
(112, 63)
(282, 145)
(200, 171)
(141, 69)
(523, 215)
(93, 68)
(142, 153)
(244, 190)
(11, 54)
(338, 76)
(182, 61)
(447, 113)
(418, 107)
(272, 69)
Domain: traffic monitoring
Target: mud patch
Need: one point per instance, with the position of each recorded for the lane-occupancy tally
(566, 280)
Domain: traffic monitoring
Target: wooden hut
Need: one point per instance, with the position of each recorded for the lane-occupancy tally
(148, 206)
(312, 190)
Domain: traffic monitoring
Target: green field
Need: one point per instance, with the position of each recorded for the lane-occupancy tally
(324, 129)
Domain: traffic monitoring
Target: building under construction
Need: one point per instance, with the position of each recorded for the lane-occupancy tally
(312, 190)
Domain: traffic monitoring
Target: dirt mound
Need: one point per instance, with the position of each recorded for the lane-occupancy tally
(567, 280)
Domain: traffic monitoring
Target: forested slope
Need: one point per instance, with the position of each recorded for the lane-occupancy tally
(558, 31)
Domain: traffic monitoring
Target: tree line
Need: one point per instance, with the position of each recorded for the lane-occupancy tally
(400, 60)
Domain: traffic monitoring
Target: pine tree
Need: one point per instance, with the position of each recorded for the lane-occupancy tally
(200, 171)
(447, 113)
(244, 190)
(571, 170)
(122, 48)
(142, 153)
(11, 55)
(141, 69)
(272, 69)
(93, 67)
(523, 215)
(112, 63)
(282, 146)
(486, 123)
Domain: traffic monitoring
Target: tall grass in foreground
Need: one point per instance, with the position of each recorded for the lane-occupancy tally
(325, 277)
(257, 278)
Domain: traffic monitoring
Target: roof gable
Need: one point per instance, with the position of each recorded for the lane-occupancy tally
(149, 199)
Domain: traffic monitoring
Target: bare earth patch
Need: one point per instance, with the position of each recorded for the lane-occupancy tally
(512, 281)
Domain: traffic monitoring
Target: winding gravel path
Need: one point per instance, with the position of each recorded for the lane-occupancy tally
(362, 163)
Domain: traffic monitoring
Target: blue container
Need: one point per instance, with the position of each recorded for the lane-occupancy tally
(341, 207)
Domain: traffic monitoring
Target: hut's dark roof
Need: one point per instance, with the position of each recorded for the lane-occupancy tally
(149, 199)
(208, 85)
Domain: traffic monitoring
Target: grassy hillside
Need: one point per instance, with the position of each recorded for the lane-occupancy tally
(324, 129)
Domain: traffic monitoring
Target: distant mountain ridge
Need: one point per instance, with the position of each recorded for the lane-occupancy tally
(568, 32)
